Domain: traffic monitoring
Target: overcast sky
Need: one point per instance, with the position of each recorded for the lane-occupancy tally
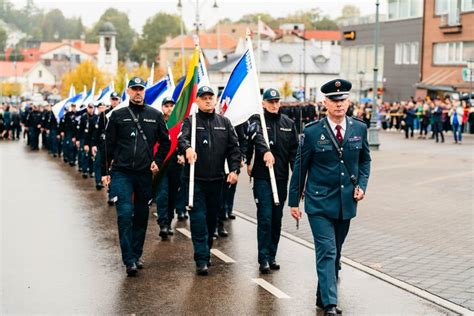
(138, 11)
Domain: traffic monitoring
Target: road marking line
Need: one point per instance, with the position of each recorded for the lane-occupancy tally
(270, 288)
(445, 177)
(380, 275)
(185, 232)
(219, 254)
(398, 166)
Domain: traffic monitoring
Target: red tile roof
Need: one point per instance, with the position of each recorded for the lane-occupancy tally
(7, 68)
(321, 35)
(88, 48)
(205, 41)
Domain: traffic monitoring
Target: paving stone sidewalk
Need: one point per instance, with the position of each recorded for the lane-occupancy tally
(417, 221)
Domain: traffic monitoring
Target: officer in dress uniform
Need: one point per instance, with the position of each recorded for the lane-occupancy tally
(334, 155)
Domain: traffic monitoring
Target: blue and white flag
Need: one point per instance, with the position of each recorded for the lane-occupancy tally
(155, 94)
(88, 99)
(203, 77)
(104, 96)
(60, 107)
(240, 99)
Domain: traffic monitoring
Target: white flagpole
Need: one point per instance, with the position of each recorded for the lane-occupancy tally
(170, 75)
(259, 47)
(192, 165)
(193, 146)
(276, 200)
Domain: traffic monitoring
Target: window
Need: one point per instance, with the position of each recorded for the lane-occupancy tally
(286, 59)
(452, 52)
(441, 7)
(40, 74)
(468, 5)
(176, 54)
(414, 53)
(453, 6)
(406, 53)
(404, 9)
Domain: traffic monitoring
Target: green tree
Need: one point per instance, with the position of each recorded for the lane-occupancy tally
(350, 11)
(16, 55)
(125, 34)
(3, 40)
(54, 26)
(155, 31)
(325, 24)
(253, 18)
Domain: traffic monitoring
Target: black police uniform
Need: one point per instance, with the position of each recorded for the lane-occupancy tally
(33, 120)
(216, 141)
(129, 153)
(283, 139)
(86, 135)
(68, 126)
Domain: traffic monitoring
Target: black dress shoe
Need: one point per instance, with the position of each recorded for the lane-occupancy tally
(264, 268)
(181, 217)
(132, 270)
(99, 187)
(274, 265)
(330, 311)
(84, 175)
(338, 310)
(202, 269)
(139, 264)
(216, 235)
(231, 216)
(170, 231)
(222, 232)
(111, 202)
(164, 232)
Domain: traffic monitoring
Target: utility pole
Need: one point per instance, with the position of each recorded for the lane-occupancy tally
(373, 130)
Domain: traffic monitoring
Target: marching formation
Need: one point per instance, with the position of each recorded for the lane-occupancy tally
(187, 158)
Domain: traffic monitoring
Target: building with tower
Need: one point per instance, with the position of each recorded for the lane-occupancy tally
(107, 56)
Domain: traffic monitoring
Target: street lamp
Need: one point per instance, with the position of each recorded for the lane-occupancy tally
(373, 130)
(470, 66)
(360, 75)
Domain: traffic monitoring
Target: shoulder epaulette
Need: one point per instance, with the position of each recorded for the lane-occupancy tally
(312, 123)
(357, 119)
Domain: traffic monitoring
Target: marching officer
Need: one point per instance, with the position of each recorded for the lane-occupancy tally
(85, 140)
(130, 137)
(281, 154)
(99, 137)
(33, 122)
(68, 130)
(169, 183)
(334, 155)
(216, 141)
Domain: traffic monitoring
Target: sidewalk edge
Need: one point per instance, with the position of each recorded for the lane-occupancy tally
(379, 275)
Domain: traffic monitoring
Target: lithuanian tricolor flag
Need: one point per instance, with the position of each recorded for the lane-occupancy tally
(184, 103)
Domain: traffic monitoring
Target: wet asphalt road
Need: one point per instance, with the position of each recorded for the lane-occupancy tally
(60, 255)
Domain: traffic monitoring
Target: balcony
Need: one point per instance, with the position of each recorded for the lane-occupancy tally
(451, 22)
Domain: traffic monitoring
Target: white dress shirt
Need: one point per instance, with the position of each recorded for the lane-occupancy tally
(333, 126)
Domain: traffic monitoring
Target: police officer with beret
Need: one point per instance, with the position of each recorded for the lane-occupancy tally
(283, 140)
(334, 156)
(216, 141)
(130, 137)
(169, 183)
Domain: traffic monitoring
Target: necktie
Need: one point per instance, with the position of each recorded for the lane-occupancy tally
(338, 134)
